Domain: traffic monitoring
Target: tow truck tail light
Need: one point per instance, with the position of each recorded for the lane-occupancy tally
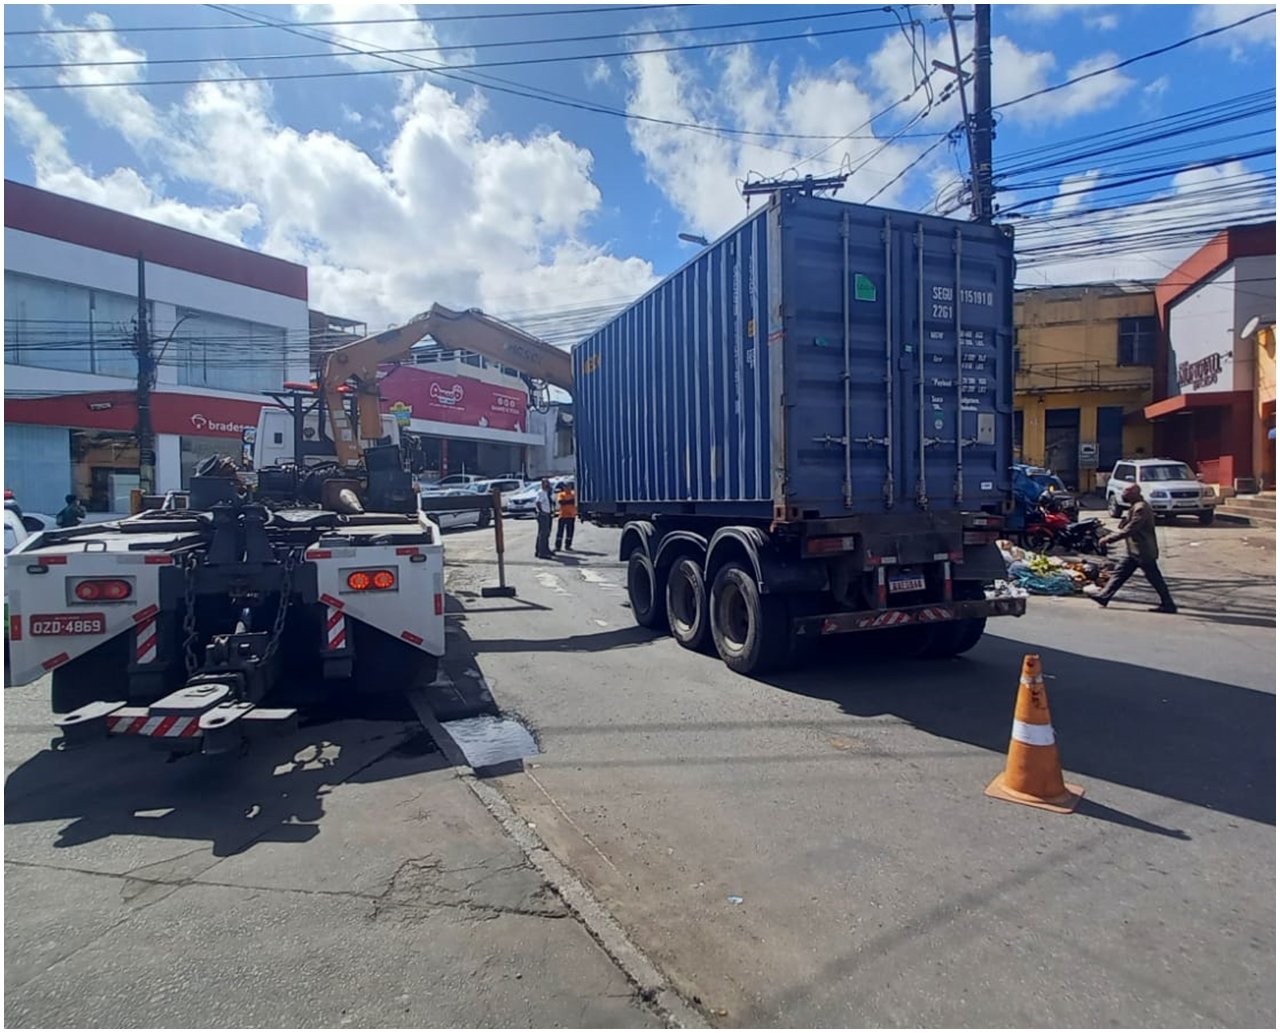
(102, 590)
(371, 580)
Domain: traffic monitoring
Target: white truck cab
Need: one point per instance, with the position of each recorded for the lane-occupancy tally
(272, 439)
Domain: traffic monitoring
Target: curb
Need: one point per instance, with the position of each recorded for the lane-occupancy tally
(651, 986)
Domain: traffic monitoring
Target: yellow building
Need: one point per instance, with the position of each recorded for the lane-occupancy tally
(1084, 358)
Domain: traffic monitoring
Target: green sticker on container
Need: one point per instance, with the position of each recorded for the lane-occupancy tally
(863, 288)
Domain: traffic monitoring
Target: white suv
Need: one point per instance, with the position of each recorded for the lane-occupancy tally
(1168, 485)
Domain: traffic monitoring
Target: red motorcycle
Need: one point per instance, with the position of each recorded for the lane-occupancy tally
(1048, 528)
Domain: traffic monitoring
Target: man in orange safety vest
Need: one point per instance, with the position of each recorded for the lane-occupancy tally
(567, 502)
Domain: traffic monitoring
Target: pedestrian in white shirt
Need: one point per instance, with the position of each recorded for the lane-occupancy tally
(542, 505)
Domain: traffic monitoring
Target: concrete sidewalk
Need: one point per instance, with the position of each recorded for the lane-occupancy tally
(342, 877)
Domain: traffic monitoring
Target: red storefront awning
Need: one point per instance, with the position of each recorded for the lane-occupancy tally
(171, 412)
(1180, 404)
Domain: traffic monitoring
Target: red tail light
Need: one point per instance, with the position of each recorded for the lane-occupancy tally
(103, 590)
(371, 580)
(439, 604)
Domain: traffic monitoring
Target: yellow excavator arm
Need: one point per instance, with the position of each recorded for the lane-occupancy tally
(357, 364)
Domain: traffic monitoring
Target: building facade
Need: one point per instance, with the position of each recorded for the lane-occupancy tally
(1084, 361)
(227, 323)
(554, 455)
(1215, 377)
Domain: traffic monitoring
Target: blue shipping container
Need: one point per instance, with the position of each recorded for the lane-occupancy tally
(822, 359)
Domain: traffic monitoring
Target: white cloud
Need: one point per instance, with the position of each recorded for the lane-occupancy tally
(1158, 87)
(1072, 191)
(1102, 22)
(1142, 240)
(599, 73)
(701, 174)
(1240, 43)
(350, 114)
(444, 213)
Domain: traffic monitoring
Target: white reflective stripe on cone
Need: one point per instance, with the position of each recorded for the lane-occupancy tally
(1033, 735)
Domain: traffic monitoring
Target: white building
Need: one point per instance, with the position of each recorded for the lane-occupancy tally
(553, 456)
(229, 324)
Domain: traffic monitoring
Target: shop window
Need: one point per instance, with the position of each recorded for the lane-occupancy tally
(65, 326)
(1137, 341)
(104, 469)
(229, 354)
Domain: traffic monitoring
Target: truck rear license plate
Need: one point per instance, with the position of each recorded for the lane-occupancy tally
(905, 583)
(68, 624)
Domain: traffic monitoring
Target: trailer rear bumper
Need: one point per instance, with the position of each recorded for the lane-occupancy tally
(901, 617)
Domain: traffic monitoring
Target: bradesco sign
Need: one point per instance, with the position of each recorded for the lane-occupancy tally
(199, 416)
(435, 396)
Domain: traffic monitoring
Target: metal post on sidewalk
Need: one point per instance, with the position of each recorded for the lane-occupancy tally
(502, 590)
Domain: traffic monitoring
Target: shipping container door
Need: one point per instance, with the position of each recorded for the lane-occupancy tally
(835, 296)
(891, 347)
(955, 374)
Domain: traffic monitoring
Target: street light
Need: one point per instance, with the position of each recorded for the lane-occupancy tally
(693, 238)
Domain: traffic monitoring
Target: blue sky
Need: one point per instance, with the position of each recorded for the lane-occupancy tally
(398, 189)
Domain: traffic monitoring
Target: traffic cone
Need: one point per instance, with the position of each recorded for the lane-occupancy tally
(1033, 772)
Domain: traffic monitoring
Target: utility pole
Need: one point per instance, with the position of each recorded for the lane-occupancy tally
(146, 377)
(979, 127)
(983, 124)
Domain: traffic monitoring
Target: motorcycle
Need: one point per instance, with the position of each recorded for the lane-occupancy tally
(1047, 530)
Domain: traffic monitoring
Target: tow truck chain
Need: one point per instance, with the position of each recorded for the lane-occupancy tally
(189, 564)
(189, 612)
(291, 559)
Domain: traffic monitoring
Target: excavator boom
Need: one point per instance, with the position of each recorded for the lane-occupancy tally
(473, 331)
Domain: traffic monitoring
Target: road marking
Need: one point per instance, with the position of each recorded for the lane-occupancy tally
(550, 581)
(594, 578)
(603, 624)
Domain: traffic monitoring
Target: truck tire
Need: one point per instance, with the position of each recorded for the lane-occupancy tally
(751, 632)
(1206, 518)
(642, 591)
(686, 598)
(956, 637)
(486, 517)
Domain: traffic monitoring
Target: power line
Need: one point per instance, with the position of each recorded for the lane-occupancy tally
(555, 40)
(288, 76)
(1132, 60)
(949, 134)
(359, 21)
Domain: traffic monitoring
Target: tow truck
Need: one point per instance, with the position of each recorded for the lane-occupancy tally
(200, 628)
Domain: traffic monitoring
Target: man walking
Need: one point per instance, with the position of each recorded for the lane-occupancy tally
(1138, 531)
(567, 503)
(542, 510)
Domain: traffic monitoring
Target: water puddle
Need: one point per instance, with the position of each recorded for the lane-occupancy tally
(492, 744)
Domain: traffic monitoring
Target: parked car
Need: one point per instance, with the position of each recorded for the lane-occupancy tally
(1167, 484)
(449, 518)
(454, 480)
(521, 502)
(507, 486)
(1046, 479)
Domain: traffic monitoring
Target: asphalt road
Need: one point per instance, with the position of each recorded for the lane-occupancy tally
(816, 849)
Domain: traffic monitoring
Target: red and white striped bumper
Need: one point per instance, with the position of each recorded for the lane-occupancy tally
(930, 613)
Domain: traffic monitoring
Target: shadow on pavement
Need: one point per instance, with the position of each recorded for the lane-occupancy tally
(274, 793)
(1189, 739)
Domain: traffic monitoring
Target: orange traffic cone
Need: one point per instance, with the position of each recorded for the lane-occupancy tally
(1033, 773)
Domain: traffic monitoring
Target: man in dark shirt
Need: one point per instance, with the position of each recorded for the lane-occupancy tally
(1138, 532)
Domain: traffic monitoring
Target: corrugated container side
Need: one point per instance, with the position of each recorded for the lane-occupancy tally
(817, 361)
(672, 397)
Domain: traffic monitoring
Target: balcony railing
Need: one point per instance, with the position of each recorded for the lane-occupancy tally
(1086, 375)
